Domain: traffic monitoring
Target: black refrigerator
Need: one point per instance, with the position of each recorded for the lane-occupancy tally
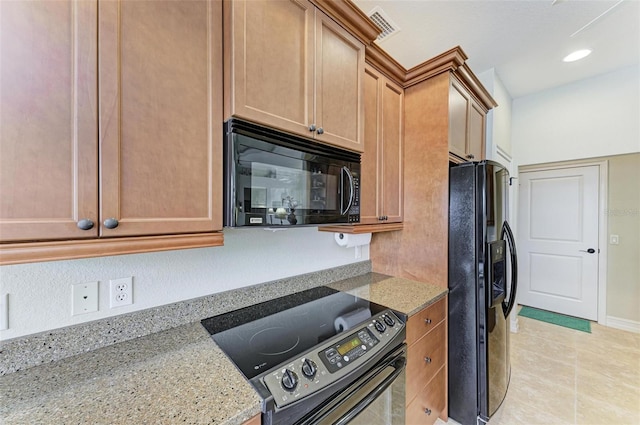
(482, 289)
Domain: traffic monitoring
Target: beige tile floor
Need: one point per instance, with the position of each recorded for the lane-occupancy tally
(562, 376)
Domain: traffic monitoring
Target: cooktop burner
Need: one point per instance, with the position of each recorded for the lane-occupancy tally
(261, 336)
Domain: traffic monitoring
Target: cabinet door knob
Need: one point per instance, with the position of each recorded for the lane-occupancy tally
(312, 127)
(111, 223)
(427, 359)
(320, 131)
(85, 224)
(427, 411)
(427, 321)
(470, 156)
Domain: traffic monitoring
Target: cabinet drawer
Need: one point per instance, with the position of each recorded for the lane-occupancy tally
(422, 322)
(430, 402)
(424, 358)
(256, 420)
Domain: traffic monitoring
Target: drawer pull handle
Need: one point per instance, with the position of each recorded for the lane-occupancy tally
(427, 321)
(427, 411)
(427, 359)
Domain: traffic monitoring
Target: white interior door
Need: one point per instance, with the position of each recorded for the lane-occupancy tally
(558, 229)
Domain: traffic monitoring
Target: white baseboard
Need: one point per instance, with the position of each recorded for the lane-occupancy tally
(624, 324)
(515, 325)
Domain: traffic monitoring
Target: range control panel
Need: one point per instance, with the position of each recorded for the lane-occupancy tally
(335, 358)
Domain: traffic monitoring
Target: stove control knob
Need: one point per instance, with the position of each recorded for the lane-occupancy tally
(289, 380)
(380, 327)
(389, 320)
(309, 368)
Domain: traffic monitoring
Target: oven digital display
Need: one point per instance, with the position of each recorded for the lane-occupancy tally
(349, 345)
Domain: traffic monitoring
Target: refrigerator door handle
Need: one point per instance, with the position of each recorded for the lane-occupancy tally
(506, 231)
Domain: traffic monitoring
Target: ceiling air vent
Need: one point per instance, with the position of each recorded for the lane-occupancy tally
(382, 20)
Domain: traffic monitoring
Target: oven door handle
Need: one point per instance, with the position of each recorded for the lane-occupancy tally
(398, 363)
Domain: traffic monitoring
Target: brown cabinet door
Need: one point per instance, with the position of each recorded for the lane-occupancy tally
(430, 403)
(477, 119)
(160, 91)
(339, 105)
(466, 124)
(270, 63)
(48, 143)
(458, 107)
(381, 167)
(392, 155)
(424, 359)
(370, 178)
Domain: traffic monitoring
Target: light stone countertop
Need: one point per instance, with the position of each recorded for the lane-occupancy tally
(174, 376)
(400, 294)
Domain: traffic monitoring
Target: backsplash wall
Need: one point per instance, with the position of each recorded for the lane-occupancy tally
(40, 293)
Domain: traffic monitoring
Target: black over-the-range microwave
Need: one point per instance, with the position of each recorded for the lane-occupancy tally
(275, 179)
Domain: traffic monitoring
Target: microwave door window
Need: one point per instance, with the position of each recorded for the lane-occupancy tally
(277, 186)
(277, 193)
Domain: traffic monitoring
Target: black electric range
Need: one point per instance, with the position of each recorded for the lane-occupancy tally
(304, 345)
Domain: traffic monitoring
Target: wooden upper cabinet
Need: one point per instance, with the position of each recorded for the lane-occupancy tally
(370, 208)
(111, 120)
(48, 120)
(160, 91)
(290, 67)
(477, 130)
(269, 62)
(381, 188)
(338, 86)
(466, 124)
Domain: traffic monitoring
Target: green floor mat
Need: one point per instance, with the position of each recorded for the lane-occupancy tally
(555, 318)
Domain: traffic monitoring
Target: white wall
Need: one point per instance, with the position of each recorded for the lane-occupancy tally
(498, 137)
(591, 118)
(40, 293)
(595, 118)
(623, 219)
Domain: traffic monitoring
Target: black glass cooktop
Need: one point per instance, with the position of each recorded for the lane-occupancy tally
(261, 336)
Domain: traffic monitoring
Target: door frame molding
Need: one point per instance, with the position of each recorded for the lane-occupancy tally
(603, 201)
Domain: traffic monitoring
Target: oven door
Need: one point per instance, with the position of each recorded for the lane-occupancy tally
(378, 397)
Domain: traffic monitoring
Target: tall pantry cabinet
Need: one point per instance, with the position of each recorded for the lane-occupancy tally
(111, 126)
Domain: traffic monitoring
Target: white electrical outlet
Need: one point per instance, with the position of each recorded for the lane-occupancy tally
(614, 239)
(84, 298)
(121, 292)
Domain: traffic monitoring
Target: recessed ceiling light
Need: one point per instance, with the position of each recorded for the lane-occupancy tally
(577, 55)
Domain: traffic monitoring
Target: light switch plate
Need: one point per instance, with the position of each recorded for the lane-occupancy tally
(4, 312)
(84, 298)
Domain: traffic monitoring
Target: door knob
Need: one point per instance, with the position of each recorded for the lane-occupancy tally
(590, 250)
